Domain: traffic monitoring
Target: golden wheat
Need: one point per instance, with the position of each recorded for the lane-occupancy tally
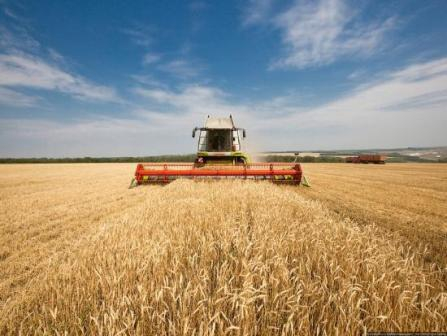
(237, 258)
(409, 200)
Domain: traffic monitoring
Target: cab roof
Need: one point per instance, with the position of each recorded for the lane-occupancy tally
(219, 123)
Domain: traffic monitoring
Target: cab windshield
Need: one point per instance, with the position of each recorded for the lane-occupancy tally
(215, 140)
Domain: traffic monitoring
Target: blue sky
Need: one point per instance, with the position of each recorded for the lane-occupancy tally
(116, 78)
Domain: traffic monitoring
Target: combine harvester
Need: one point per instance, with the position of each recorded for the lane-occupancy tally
(219, 156)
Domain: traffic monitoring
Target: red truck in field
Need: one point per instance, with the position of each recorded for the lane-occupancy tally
(373, 158)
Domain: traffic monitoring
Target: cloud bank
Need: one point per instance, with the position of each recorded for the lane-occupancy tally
(403, 108)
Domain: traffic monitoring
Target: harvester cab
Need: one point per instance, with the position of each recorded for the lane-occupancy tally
(219, 156)
(220, 142)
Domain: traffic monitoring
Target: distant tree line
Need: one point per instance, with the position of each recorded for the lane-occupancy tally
(162, 158)
(191, 157)
(87, 159)
(291, 158)
(407, 158)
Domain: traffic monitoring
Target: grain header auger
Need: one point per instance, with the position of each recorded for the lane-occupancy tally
(219, 156)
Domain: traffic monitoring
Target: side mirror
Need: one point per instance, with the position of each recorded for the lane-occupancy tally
(194, 132)
(244, 134)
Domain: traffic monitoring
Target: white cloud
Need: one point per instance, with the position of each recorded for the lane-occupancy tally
(140, 35)
(422, 71)
(406, 108)
(23, 66)
(180, 68)
(24, 70)
(17, 40)
(189, 96)
(426, 83)
(148, 80)
(13, 98)
(55, 56)
(356, 74)
(9, 12)
(257, 11)
(316, 33)
(193, 99)
(150, 58)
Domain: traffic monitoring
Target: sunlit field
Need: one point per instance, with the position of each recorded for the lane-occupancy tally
(363, 249)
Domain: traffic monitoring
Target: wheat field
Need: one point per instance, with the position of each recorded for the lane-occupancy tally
(362, 250)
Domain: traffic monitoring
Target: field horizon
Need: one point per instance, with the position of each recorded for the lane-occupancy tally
(399, 154)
